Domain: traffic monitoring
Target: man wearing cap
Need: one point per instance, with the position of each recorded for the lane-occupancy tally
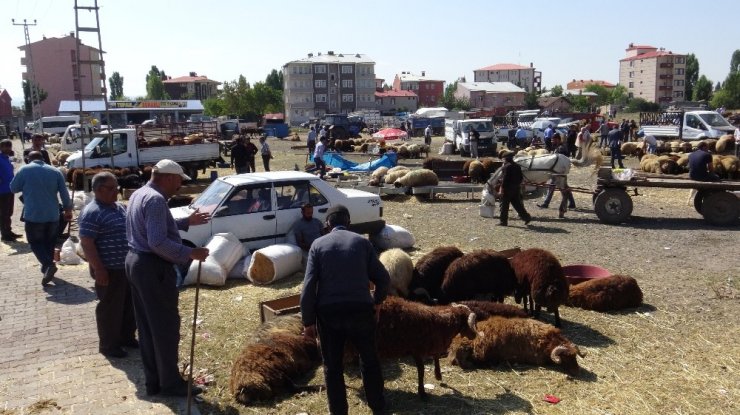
(40, 184)
(154, 248)
(336, 302)
(511, 192)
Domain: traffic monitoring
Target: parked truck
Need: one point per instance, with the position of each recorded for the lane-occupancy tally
(419, 124)
(131, 147)
(688, 125)
(458, 133)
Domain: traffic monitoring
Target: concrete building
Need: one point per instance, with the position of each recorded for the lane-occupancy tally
(653, 74)
(191, 87)
(325, 84)
(55, 70)
(123, 113)
(396, 100)
(554, 104)
(428, 90)
(522, 76)
(6, 106)
(499, 96)
(583, 83)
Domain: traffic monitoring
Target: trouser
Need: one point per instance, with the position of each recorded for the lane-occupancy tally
(512, 196)
(251, 166)
(358, 327)
(266, 162)
(114, 313)
(427, 139)
(242, 169)
(474, 149)
(568, 199)
(604, 140)
(321, 165)
(548, 144)
(42, 237)
(311, 147)
(154, 294)
(617, 155)
(7, 200)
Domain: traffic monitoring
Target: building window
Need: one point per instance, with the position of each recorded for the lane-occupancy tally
(319, 69)
(680, 59)
(333, 104)
(680, 71)
(632, 64)
(678, 94)
(631, 95)
(678, 82)
(631, 85)
(346, 68)
(348, 98)
(320, 97)
(346, 83)
(319, 83)
(632, 74)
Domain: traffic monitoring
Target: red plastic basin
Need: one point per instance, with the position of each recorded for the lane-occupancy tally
(578, 273)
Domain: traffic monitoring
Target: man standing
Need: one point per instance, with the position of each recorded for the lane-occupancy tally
(568, 201)
(615, 146)
(604, 134)
(154, 248)
(511, 192)
(239, 156)
(700, 164)
(37, 144)
(571, 141)
(521, 137)
(737, 142)
(428, 135)
(318, 157)
(103, 239)
(311, 141)
(473, 137)
(307, 229)
(7, 198)
(265, 152)
(549, 132)
(251, 153)
(336, 301)
(40, 184)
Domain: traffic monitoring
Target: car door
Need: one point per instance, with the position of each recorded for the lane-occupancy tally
(249, 213)
(290, 197)
(692, 127)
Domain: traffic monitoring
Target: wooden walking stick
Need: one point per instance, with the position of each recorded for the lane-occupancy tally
(192, 339)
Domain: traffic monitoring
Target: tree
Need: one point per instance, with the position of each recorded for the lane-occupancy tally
(275, 80)
(603, 95)
(718, 86)
(580, 103)
(641, 105)
(729, 95)
(214, 107)
(735, 61)
(556, 91)
(448, 98)
(530, 100)
(116, 86)
(154, 85)
(619, 95)
(692, 74)
(40, 94)
(702, 89)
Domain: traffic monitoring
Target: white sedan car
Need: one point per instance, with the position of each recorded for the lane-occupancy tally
(261, 208)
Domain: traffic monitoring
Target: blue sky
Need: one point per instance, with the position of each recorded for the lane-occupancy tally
(225, 38)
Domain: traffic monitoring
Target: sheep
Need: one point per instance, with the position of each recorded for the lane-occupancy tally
(403, 152)
(479, 273)
(395, 173)
(730, 166)
(616, 292)
(489, 165)
(541, 280)
(407, 328)
(379, 172)
(429, 271)
(486, 309)
(419, 177)
(650, 165)
(669, 167)
(517, 340)
(400, 267)
(477, 172)
(726, 142)
(276, 354)
(629, 148)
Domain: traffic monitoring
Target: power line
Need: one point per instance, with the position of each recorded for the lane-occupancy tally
(32, 87)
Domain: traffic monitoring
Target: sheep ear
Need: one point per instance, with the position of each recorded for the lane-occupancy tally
(580, 352)
(556, 352)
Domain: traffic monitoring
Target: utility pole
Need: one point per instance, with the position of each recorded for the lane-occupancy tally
(31, 76)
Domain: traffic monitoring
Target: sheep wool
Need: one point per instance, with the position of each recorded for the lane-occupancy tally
(429, 270)
(395, 173)
(379, 172)
(540, 278)
(616, 292)
(726, 142)
(400, 267)
(420, 177)
(477, 172)
(478, 274)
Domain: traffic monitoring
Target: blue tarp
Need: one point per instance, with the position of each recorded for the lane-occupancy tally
(336, 160)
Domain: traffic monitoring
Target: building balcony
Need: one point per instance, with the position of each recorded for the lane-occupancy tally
(666, 65)
(665, 88)
(665, 99)
(666, 76)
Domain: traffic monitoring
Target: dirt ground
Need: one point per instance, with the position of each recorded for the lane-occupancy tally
(678, 353)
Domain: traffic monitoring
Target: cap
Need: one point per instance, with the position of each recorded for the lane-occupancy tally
(507, 155)
(166, 166)
(337, 209)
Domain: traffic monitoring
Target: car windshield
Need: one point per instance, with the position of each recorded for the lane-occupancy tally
(209, 200)
(483, 126)
(715, 120)
(94, 143)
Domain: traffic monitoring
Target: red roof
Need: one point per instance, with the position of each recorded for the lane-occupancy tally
(503, 67)
(189, 79)
(582, 83)
(649, 55)
(394, 93)
(632, 47)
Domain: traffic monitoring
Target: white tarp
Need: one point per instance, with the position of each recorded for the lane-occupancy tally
(432, 112)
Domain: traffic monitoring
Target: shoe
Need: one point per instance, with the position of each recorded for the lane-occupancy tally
(15, 235)
(49, 275)
(503, 224)
(9, 238)
(117, 353)
(182, 391)
(572, 207)
(526, 221)
(561, 215)
(542, 205)
(131, 344)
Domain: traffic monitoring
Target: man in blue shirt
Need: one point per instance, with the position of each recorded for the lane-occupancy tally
(615, 146)
(311, 141)
(521, 137)
(103, 239)
(7, 198)
(700, 164)
(549, 132)
(318, 157)
(40, 184)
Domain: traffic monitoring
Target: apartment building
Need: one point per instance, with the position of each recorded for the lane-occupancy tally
(327, 83)
(653, 74)
(491, 95)
(525, 77)
(55, 70)
(191, 87)
(429, 91)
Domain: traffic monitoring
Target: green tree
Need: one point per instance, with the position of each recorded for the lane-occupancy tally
(448, 98)
(40, 94)
(154, 85)
(275, 80)
(735, 61)
(641, 105)
(214, 107)
(729, 95)
(556, 91)
(530, 100)
(265, 99)
(580, 103)
(702, 89)
(619, 95)
(692, 74)
(718, 86)
(116, 86)
(603, 95)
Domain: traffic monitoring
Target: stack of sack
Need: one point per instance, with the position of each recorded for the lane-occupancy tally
(225, 250)
(393, 236)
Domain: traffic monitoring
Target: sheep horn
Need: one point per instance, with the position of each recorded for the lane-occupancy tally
(461, 306)
(556, 352)
(473, 324)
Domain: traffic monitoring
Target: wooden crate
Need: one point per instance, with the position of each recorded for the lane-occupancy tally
(269, 310)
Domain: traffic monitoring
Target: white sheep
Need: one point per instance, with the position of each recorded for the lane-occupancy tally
(420, 177)
(401, 268)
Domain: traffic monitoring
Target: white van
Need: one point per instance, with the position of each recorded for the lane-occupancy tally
(54, 125)
(457, 132)
(697, 125)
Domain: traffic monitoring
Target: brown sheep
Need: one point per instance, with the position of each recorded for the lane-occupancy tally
(489, 165)
(429, 272)
(540, 278)
(276, 354)
(481, 273)
(477, 172)
(517, 340)
(616, 292)
(485, 309)
(407, 328)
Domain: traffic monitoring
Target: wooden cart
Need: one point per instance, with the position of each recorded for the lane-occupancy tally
(714, 200)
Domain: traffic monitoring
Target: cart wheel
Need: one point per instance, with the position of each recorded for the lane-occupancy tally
(699, 199)
(721, 208)
(613, 206)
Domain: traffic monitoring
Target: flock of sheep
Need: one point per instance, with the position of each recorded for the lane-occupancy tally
(673, 157)
(452, 302)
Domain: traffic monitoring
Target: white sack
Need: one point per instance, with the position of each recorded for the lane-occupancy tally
(273, 263)
(393, 236)
(225, 250)
(211, 273)
(81, 200)
(237, 269)
(244, 271)
(68, 254)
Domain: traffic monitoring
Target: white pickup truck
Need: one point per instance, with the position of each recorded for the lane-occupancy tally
(689, 125)
(127, 149)
(458, 133)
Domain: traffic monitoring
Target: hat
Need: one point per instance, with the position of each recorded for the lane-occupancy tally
(337, 209)
(507, 155)
(166, 166)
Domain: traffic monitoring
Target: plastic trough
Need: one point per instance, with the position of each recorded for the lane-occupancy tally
(578, 273)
